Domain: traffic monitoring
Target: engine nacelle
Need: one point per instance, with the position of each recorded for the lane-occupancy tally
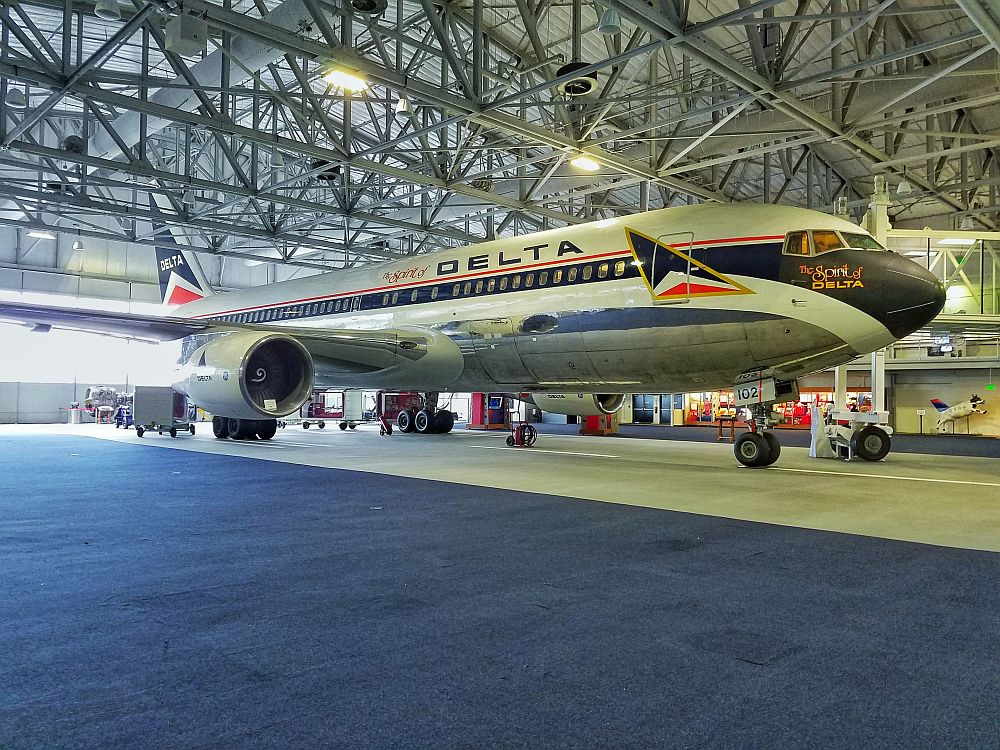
(247, 375)
(580, 404)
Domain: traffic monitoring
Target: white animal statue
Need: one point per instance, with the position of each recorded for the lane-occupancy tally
(948, 414)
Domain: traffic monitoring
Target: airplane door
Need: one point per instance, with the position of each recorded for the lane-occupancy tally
(493, 340)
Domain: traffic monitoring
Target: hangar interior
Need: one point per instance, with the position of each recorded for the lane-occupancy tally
(341, 590)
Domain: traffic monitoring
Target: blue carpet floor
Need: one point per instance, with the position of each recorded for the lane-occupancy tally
(154, 598)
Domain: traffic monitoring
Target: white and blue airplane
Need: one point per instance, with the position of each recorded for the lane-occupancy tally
(700, 298)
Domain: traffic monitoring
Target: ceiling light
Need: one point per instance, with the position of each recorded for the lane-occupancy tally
(402, 106)
(108, 10)
(188, 198)
(611, 23)
(77, 246)
(956, 241)
(904, 188)
(39, 234)
(967, 223)
(277, 160)
(585, 163)
(344, 80)
(15, 99)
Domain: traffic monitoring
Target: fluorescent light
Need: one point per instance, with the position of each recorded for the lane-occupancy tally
(958, 241)
(38, 234)
(585, 163)
(347, 81)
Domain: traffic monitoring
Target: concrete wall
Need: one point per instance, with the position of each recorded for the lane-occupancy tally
(914, 390)
(40, 403)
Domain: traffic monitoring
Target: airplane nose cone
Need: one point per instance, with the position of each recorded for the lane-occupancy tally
(913, 297)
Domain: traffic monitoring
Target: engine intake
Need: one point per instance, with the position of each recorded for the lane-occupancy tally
(248, 375)
(580, 404)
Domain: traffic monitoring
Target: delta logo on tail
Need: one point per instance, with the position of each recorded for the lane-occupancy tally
(670, 273)
(178, 282)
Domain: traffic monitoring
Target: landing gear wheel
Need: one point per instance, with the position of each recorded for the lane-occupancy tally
(773, 445)
(140, 431)
(871, 443)
(173, 432)
(404, 420)
(423, 421)
(242, 429)
(266, 428)
(343, 425)
(220, 427)
(752, 450)
(443, 422)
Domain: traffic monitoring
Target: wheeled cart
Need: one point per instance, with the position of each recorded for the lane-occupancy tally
(160, 409)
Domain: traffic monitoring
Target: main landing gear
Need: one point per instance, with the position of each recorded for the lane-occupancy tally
(760, 446)
(428, 420)
(244, 429)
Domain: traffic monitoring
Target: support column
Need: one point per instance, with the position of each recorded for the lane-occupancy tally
(878, 381)
(840, 388)
(877, 223)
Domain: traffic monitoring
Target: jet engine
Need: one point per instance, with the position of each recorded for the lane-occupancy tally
(581, 404)
(248, 375)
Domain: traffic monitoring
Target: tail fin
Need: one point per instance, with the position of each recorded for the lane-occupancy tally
(939, 404)
(179, 282)
(182, 279)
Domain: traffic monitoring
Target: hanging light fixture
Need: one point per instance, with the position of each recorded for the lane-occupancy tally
(611, 22)
(41, 234)
(77, 246)
(277, 160)
(15, 98)
(967, 224)
(402, 107)
(905, 187)
(108, 10)
(585, 163)
(347, 80)
(188, 198)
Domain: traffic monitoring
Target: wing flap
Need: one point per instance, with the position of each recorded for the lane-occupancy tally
(128, 325)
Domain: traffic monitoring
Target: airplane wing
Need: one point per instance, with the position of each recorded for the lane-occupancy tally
(341, 356)
(126, 325)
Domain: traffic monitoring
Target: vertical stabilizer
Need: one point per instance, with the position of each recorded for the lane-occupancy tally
(182, 279)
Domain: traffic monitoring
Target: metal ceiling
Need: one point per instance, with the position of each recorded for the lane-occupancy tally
(245, 151)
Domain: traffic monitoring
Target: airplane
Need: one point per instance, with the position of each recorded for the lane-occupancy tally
(948, 414)
(695, 298)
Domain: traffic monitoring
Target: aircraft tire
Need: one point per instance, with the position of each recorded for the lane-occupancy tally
(773, 446)
(871, 443)
(423, 421)
(404, 420)
(140, 431)
(752, 450)
(443, 422)
(220, 427)
(266, 428)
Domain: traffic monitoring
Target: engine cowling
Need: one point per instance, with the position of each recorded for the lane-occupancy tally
(248, 375)
(580, 404)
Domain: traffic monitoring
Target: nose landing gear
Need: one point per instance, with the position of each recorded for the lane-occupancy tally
(760, 446)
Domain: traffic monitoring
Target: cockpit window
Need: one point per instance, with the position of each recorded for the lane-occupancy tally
(824, 241)
(861, 241)
(797, 243)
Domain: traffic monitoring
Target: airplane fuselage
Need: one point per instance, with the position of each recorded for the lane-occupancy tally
(673, 300)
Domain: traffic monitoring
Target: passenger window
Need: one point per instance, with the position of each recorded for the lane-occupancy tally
(413, 296)
(557, 276)
(602, 271)
(825, 241)
(543, 278)
(456, 289)
(529, 280)
(468, 288)
(571, 276)
(588, 271)
(516, 281)
(385, 299)
(619, 268)
(395, 297)
(491, 285)
(797, 243)
(479, 287)
(434, 293)
(503, 283)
